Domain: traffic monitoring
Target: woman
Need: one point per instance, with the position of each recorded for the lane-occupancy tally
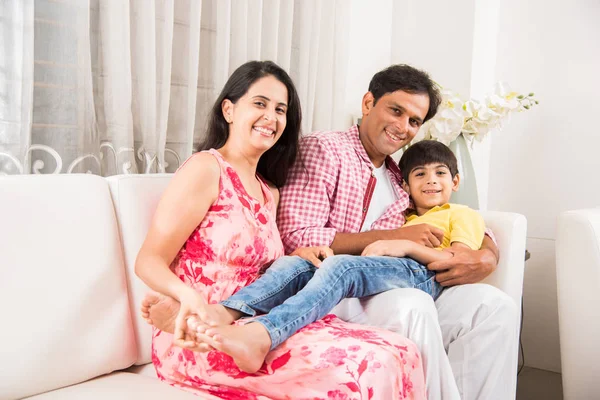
(213, 231)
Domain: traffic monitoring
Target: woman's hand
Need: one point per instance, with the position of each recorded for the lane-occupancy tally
(314, 255)
(192, 305)
(392, 248)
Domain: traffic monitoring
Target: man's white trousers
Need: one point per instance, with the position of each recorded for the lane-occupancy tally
(468, 338)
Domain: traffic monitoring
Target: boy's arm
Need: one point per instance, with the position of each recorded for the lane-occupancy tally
(406, 248)
(425, 255)
(353, 243)
(466, 226)
(468, 265)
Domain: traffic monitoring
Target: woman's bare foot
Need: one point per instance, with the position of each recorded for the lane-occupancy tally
(160, 310)
(248, 344)
(217, 315)
(190, 340)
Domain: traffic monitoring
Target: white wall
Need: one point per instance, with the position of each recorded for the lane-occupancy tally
(546, 160)
(436, 36)
(370, 42)
(455, 43)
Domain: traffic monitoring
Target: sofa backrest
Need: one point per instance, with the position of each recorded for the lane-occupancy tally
(135, 198)
(578, 290)
(63, 296)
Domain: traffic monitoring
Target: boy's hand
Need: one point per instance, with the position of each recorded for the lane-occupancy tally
(425, 234)
(314, 255)
(393, 248)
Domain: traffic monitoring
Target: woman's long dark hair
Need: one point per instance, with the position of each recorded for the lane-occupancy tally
(276, 162)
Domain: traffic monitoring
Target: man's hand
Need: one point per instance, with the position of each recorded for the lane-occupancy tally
(425, 234)
(466, 266)
(314, 255)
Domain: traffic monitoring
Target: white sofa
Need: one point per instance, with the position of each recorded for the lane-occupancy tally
(578, 281)
(69, 298)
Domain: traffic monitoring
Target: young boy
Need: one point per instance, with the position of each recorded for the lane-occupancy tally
(430, 174)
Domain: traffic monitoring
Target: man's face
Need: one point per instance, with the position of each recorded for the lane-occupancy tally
(391, 123)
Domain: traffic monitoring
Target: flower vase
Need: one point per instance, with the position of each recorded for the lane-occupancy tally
(467, 191)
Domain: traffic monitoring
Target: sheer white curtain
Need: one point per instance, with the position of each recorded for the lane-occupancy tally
(124, 86)
(16, 83)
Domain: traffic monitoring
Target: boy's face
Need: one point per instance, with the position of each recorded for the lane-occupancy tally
(430, 185)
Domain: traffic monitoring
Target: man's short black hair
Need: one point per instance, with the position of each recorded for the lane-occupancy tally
(427, 152)
(408, 79)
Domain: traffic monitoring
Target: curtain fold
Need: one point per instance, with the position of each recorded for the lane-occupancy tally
(124, 86)
(16, 84)
(113, 87)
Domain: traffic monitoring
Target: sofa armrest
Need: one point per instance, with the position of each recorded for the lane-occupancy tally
(135, 198)
(510, 230)
(578, 290)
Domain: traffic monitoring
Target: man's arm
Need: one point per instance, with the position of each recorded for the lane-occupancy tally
(305, 204)
(470, 264)
(490, 245)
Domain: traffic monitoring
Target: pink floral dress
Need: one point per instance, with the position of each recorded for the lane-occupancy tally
(328, 359)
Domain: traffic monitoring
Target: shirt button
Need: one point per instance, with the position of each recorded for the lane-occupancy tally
(365, 210)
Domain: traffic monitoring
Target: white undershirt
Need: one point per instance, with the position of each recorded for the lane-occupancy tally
(383, 196)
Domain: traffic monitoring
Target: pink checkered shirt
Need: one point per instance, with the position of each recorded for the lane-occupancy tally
(329, 190)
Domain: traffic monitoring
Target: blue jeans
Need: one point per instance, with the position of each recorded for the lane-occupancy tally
(293, 293)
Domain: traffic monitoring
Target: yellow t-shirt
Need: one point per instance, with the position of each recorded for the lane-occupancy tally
(459, 223)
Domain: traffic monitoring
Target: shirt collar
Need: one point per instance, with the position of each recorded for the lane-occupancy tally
(393, 168)
(413, 214)
(354, 136)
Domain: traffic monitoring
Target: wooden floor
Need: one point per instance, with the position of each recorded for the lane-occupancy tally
(537, 384)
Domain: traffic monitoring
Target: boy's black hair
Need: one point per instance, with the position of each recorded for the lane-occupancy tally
(427, 152)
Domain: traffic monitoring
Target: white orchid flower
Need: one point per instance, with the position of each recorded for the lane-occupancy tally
(447, 123)
(475, 119)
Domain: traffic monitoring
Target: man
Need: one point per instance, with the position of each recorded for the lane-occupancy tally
(345, 193)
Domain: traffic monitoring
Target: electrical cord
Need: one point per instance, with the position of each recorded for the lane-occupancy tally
(521, 351)
(521, 340)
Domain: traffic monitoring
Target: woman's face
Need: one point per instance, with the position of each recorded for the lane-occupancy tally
(258, 117)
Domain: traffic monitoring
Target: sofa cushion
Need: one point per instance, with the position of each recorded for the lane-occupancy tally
(120, 386)
(135, 199)
(146, 370)
(62, 284)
